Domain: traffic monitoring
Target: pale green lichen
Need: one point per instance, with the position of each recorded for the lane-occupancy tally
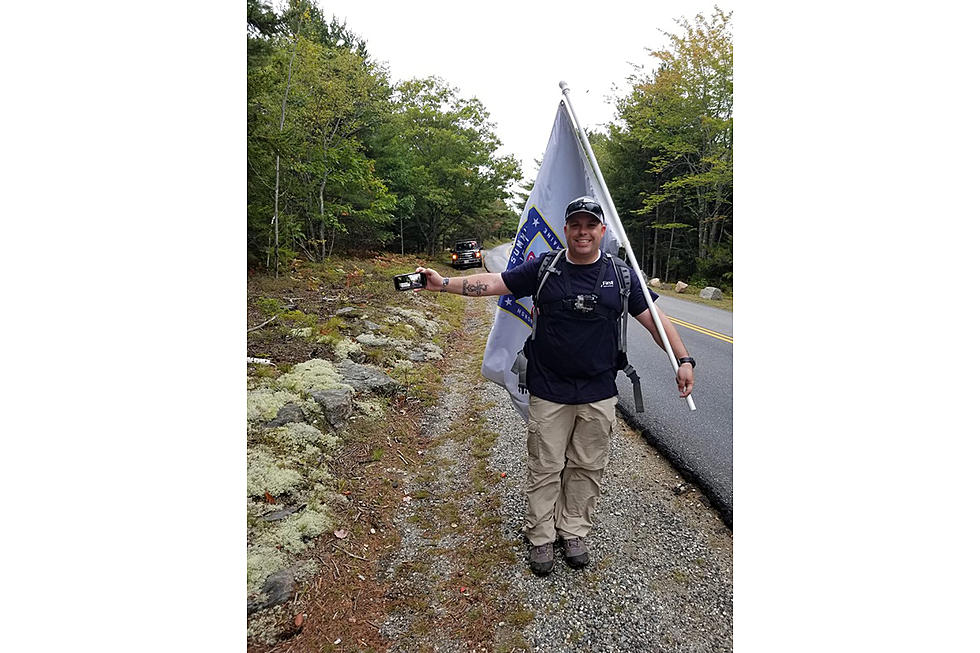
(372, 340)
(314, 374)
(300, 435)
(345, 347)
(266, 475)
(293, 533)
(261, 562)
(264, 402)
(370, 407)
(430, 327)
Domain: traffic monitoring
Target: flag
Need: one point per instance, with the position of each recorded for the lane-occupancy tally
(564, 175)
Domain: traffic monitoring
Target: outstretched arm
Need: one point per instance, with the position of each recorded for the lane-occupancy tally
(685, 373)
(475, 285)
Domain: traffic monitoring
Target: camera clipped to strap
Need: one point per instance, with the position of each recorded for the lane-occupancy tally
(584, 304)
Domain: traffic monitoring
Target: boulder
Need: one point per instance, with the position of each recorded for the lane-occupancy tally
(711, 293)
(347, 310)
(288, 413)
(337, 405)
(655, 283)
(278, 588)
(680, 286)
(367, 378)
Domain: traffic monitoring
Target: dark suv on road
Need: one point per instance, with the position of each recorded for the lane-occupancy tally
(466, 254)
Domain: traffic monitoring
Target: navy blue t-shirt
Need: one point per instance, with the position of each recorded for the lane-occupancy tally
(572, 359)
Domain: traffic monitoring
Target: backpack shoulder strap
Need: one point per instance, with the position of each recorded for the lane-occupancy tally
(625, 280)
(549, 265)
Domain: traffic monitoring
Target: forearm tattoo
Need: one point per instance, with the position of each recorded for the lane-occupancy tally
(474, 289)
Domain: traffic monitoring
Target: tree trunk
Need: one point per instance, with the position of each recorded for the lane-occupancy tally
(656, 234)
(282, 121)
(323, 241)
(670, 246)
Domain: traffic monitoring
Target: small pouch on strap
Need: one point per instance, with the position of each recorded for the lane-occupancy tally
(635, 378)
(520, 369)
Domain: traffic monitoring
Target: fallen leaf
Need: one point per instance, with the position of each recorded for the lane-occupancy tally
(299, 620)
(340, 534)
(269, 498)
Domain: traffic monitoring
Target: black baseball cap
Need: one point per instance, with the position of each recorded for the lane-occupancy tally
(584, 204)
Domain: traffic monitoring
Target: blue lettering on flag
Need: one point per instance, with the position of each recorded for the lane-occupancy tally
(534, 227)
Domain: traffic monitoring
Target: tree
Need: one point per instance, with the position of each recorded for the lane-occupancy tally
(670, 159)
(447, 146)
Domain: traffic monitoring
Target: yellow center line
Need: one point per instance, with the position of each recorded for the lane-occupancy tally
(701, 329)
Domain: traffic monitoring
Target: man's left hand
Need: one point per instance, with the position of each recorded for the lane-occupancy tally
(685, 379)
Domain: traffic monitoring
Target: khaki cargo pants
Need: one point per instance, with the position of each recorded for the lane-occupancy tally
(567, 451)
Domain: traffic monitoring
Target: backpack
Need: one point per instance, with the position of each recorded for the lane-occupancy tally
(548, 267)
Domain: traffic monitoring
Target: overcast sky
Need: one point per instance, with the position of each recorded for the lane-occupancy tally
(511, 55)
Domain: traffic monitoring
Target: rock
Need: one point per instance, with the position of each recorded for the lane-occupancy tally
(680, 286)
(367, 378)
(655, 283)
(711, 293)
(372, 340)
(278, 588)
(431, 351)
(288, 413)
(337, 405)
(277, 515)
(371, 326)
(347, 310)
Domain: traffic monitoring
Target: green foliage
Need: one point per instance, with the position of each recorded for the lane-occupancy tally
(668, 159)
(341, 159)
(269, 305)
(298, 319)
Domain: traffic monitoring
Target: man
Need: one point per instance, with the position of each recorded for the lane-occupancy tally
(571, 377)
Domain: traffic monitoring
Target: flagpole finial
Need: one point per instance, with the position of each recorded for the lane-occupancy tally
(563, 85)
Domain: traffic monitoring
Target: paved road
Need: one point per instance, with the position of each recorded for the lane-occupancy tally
(698, 443)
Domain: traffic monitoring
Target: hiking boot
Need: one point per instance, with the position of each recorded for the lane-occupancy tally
(576, 553)
(542, 559)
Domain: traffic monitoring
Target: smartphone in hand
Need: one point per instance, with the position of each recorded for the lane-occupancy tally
(409, 281)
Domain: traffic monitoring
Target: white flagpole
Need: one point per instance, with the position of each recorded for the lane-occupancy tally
(622, 231)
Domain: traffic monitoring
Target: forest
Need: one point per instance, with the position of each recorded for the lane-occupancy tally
(341, 158)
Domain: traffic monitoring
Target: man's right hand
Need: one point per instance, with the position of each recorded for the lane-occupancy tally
(433, 280)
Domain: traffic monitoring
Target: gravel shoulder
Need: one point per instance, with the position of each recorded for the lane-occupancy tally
(661, 577)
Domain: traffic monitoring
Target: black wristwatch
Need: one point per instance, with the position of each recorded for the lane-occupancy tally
(686, 359)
